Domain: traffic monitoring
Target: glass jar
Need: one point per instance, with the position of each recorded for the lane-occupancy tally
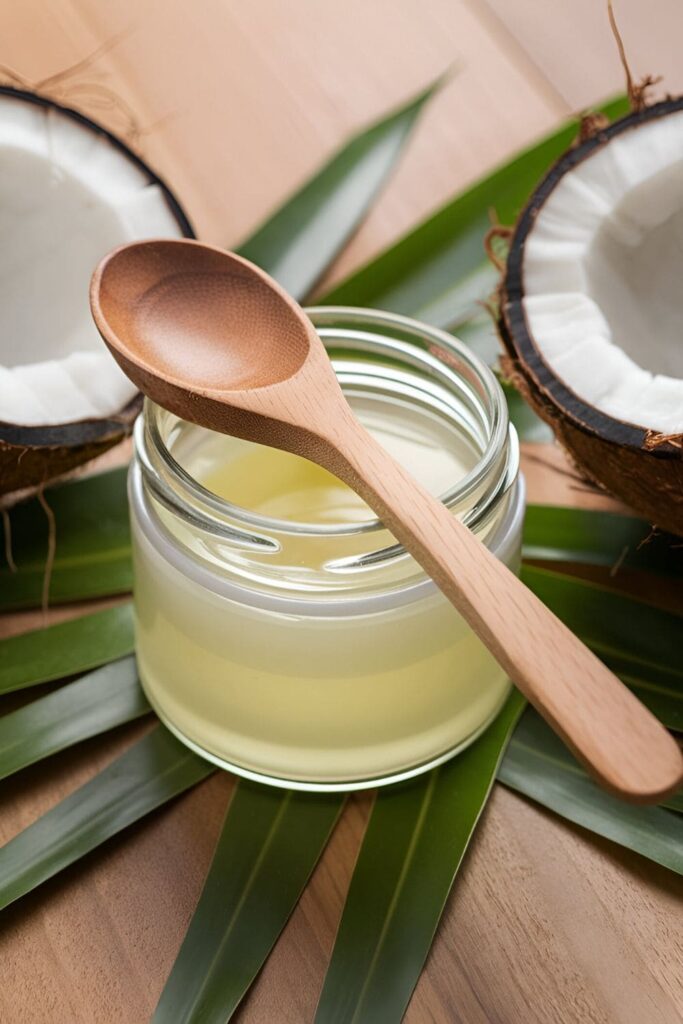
(318, 655)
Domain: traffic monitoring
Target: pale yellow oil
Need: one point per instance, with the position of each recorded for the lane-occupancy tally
(287, 487)
(312, 698)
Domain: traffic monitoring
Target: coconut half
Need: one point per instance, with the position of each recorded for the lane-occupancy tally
(69, 192)
(591, 308)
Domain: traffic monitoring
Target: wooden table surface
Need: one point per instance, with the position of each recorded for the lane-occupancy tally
(235, 103)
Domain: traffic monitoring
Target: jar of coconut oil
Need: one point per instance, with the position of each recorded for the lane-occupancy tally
(281, 631)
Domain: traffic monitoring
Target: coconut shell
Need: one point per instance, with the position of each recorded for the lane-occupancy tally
(644, 471)
(651, 482)
(33, 455)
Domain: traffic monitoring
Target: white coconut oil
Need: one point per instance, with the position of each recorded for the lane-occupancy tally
(279, 631)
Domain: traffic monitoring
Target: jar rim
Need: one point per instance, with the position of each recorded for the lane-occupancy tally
(503, 544)
(440, 351)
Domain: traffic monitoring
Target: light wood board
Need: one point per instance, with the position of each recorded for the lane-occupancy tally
(238, 103)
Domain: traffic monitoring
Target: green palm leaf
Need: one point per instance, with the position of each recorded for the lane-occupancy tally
(674, 803)
(92, 536)
(94, 704)
(147, 775)
(439, 272)
(413, 847)
(301, 239)
(639, 642)
(270, 843)
(538, 765)
(65, 649)
(553, 533)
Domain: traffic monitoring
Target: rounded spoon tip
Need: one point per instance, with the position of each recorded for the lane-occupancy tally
(196, 316)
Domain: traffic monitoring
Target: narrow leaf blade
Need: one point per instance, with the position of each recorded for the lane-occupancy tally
(438, 272)
(413, 847)
(674, 803)
(639, 642)
(538, 765)
(612, 622)
(65, 649)
(270, 843)
(92, 538)
(299, 242)
(589, 537)
(94, 704)
(153, 771)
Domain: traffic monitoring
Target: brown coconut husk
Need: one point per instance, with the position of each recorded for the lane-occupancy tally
(647, 475)
(31, 457)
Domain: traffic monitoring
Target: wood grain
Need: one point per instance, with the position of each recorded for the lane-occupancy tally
(546, 922)
(547, 36)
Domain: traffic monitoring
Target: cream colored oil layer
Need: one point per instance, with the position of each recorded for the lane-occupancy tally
(291, 489)
(327, 700)
(313, 698)
(285, 486)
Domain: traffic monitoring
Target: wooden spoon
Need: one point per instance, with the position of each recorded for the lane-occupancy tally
(215, 340)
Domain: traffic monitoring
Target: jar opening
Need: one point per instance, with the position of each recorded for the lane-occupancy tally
(299, 644)
(411, 384)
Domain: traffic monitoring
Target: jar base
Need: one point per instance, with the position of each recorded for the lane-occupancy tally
(311, 785)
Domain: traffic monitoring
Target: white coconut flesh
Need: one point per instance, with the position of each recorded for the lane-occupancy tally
(603, 277)
(67, 196)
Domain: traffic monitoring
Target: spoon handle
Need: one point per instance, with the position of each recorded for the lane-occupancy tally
(610, 731)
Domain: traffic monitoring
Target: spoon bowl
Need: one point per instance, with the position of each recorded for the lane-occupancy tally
(209, 336)
(198, 315)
